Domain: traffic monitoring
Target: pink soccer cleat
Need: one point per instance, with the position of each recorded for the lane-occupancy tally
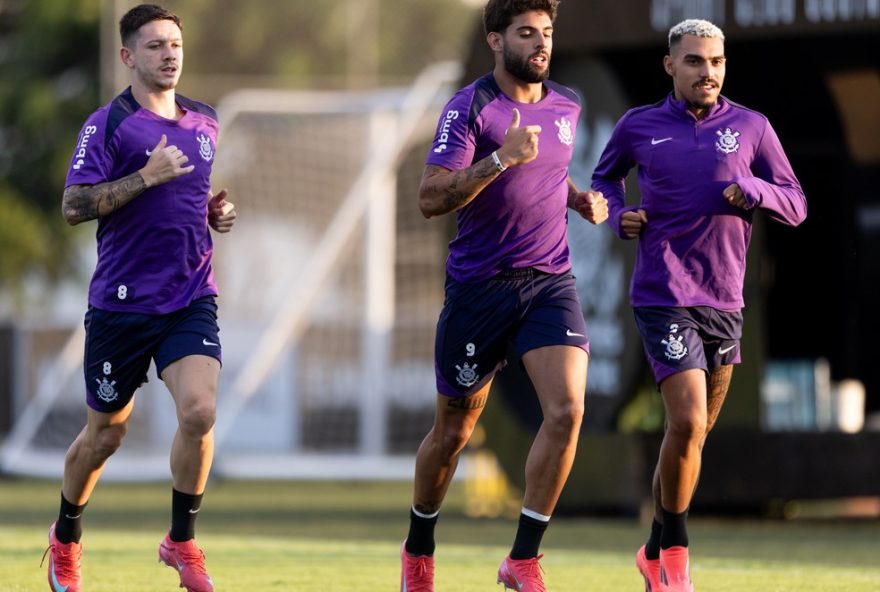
(416, 572)
(64, 564)
(650, 570)
(674, 572)
(189, 561)
(522, 575)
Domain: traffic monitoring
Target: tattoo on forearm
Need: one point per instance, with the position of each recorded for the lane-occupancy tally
(87, 202)
(471, 402)
(460, 190)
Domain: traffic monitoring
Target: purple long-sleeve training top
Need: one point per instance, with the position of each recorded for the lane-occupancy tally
(692, 251)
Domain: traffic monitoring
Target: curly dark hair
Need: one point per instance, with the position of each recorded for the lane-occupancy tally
(498, 14)
(142, 14)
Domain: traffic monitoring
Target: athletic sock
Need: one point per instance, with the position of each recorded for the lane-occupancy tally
(184, 511)
(529, 534)
(68, 528)
(420, 540)
(675, 533)
(652, 547)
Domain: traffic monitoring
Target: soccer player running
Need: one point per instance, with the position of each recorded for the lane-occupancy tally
(142, 168)
(500, 162)
(705, 166)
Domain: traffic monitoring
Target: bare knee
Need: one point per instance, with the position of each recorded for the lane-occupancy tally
(197, 419)
(107, 440)
(451, 440)
(564, 420)
(689, 426)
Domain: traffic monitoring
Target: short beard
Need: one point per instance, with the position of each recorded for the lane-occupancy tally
(703, 104)
(520, 68)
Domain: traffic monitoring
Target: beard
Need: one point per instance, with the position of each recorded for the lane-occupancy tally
(521, 68)
(705, 103)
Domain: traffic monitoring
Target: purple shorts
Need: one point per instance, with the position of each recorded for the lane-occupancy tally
(525, 307)
(679, 339)
(119, 347)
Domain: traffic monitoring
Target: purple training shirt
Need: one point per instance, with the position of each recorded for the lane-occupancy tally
(519, 219)
(154, 253)
(692, 251)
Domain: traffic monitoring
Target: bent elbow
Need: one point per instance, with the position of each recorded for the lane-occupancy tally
(426, 205)
(70, 216)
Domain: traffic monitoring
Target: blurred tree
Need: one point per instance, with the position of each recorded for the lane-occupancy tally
(329, 44)
(49, 61)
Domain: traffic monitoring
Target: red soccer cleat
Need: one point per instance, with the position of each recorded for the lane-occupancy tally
(522, 575)
(189, 561)
(674, 570)
(416, 572)
(64, 564)
(650, 570)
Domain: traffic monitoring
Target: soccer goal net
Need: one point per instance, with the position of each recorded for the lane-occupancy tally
(330, 287)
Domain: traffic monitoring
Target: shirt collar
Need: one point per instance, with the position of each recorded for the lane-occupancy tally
(681, 107)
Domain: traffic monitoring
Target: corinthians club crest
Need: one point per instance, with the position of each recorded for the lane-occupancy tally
(107, 390)
(675, 349)
(727, 141)
(565, 135)
(206, 151)
(467, 375)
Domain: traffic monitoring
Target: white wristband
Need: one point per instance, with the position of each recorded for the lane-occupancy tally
(501, 168)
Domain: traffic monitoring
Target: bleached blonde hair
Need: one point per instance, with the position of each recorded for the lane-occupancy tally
(696, 27)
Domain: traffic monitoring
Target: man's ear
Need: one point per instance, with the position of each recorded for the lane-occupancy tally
(495, 41)
(667, 64)
(126, 57)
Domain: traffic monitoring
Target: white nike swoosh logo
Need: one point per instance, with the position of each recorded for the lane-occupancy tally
(726, 349)
(196, 511)
(56, 585)
(206, 342)
(660, 141)
(149, 152)
(69, 517)
(571, 333)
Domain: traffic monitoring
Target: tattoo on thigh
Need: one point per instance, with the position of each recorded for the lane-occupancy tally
(718, 383)
(471, 402)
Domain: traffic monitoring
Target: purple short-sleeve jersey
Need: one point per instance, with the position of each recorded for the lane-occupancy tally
(692, 251)
(519, 219)
(154, 253)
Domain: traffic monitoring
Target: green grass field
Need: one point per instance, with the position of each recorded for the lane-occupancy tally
(303, 536)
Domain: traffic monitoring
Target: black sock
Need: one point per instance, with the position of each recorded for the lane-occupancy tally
(184, 511)
(675, 532)
(420, 540)
(652, 547)
(68, 529)
(528, 537)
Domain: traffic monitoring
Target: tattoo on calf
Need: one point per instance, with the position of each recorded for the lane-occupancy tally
(427, 507)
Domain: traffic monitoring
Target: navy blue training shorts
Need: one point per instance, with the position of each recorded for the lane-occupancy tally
(119, 347)
(527, 307)
(679, 339)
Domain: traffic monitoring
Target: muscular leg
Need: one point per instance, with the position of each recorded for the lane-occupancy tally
(684, 395)
(192, 381)
(717, 385)
(86, 457)
(436, 460)
(438, 454)
(559, 374)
